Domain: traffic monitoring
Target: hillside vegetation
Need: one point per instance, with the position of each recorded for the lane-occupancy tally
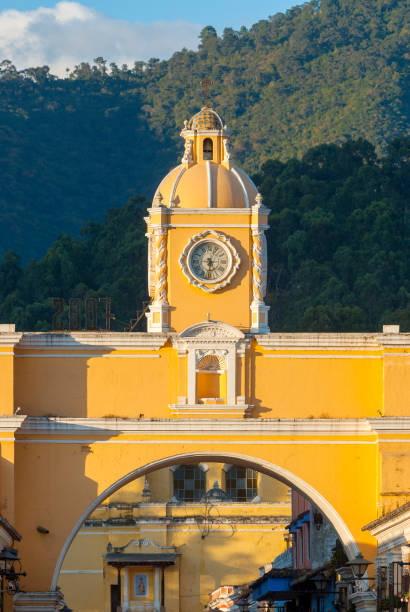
(339, 248)
(70, 149)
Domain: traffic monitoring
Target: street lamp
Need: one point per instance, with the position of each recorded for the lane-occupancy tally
(8, 557)
(358, 566)
(320, 582)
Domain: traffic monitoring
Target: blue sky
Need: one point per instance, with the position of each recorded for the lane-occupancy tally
(63, 33)
(221, 14)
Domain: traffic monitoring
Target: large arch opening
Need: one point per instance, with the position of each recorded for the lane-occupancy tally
(262, 466)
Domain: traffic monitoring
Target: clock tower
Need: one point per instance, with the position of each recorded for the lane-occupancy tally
(207, 253)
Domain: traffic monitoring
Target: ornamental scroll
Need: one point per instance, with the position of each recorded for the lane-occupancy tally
(161, 266)
(259, 267)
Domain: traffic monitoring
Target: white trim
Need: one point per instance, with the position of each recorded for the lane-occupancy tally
(241, 183)
(318, 341)
(329, 356)
(90, 340)
(249, 179)
(82, 572)
(209, 180)
(208, 442)
(261, 465)
(7, 354)
(215, 408)
(214, 211)
(87, 356)
(226, 225)
(194, 529)
(260, 427)
(175, 185)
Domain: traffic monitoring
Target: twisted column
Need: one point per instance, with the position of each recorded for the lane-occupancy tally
(258, 265)
(161, 266)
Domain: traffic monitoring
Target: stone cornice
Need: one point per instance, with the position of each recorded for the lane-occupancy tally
(12, 422)
(390, 425)
(207, 211)
(323, 341)
(10, 338)
(204, 426)
(90, 340)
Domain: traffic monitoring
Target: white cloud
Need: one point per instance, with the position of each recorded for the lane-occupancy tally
(71, 33)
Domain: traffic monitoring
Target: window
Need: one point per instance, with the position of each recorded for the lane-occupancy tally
(189, 483)
(241, 483)
(208, 149)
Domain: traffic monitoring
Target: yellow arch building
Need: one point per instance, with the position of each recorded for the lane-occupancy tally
(326, 414)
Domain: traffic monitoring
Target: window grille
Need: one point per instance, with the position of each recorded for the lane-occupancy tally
(241, 483)
(189, 483)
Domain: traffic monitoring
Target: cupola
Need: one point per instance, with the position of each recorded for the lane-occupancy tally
(206, 177)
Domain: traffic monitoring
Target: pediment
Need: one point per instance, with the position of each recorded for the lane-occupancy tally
(211, 330)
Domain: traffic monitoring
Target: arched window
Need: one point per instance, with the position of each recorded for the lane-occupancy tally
(211, 379)
(241, 483)
(208, 149)
(189, 483)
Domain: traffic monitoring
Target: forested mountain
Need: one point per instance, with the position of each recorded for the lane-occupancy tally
(339, 248)
(72, 148)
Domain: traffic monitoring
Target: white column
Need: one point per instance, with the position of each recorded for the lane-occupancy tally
(191, 376)
(231, 372)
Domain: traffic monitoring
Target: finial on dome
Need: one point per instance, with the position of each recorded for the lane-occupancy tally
(157, 199)
(258, 200)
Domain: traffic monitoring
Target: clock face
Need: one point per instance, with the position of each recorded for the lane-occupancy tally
(209, 261)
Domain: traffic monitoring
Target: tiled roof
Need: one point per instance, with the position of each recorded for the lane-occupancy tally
(206, 119)
(387, 517)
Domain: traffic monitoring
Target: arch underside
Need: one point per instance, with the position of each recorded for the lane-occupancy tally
(263, 466)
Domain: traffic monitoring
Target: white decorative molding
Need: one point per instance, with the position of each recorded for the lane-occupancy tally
(93, 340)
(10, 338)
(209, 181)
(242, 186)
(210, 409)
(158, 315)
(228, 247)
(394, 340)
(214, 331)
(227, 150)
(214, 211)
(174, 187)
(259, 310)
(317, 341)
(260, 427)
(187, 157)
(10, 423)
(210, 338)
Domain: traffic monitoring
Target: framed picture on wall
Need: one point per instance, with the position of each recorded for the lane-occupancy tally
(141, 585)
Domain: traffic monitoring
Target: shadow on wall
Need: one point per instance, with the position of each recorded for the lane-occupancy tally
(54, 496)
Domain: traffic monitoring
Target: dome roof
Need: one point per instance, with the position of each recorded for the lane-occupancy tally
(207, 185)
(206, 119)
